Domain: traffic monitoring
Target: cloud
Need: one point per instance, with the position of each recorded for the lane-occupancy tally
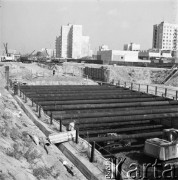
(112, 12)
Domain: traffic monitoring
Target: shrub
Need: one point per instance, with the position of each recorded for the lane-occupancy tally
(14, 134)
(6, 115)
(40, 173)
(5, 131)
(15, 152)
(45, 172)
(32, 154)
(3, 176)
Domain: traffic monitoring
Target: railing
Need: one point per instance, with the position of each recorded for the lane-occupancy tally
(170, 75)
(151, 89)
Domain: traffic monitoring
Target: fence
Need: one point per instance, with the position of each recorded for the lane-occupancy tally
(103, 74)
(151, 89)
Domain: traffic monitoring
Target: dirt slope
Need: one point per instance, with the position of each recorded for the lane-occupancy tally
(142, 75)
(20, 157)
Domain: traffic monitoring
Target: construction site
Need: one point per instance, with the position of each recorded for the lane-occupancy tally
(70, 120)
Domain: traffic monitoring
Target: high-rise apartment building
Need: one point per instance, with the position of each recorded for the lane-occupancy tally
(71, 43)
(165, 36)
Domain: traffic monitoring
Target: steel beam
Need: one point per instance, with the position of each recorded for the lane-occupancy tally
(66, 87)
(99, 101)
(120, 130)
(79, 97)
(122, 137)
(124, 118)
(119, 149)
(118, 112)
(109, 125)
(76, 113)
(76, 91)
(83, 94)
(111, 105)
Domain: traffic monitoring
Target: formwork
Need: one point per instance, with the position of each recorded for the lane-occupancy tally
(115, 118)
(99, 110)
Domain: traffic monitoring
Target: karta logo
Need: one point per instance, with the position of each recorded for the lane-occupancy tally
(114, 168)
(167, 171)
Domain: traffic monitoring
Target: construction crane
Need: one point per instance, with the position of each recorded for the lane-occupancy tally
(25, 59)
(31, 53)
(8, 56)
(48, 59)
(46, 52)
(6, 50)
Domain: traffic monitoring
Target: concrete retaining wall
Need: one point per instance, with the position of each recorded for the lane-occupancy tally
(87, 168)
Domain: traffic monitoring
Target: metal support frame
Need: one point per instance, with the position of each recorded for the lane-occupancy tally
(131, 86)
(165, 94)
(40, 108)
(25, 99)
(60, 125)
(51, 118)
(77, 135)
(118, 83)
(147, 88)
(92, 151)
(156, 90)
(36, 107)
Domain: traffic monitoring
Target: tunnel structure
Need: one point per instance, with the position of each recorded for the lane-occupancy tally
(116, 118)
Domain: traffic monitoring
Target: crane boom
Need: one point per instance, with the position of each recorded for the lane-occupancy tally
(46, 52)
(31, 53)
(6, 50)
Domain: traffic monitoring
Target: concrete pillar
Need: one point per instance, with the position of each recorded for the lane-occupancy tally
(7, 76)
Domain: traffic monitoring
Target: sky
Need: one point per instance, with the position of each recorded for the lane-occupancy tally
(28, 25)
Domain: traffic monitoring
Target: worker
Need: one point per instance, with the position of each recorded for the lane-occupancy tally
(15, 84)
(54, 72)
(71, 126)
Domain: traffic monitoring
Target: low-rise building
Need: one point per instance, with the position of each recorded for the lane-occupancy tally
(131, 47)
(11, 56)
(108, 56)
(149, 54)
(166, 54)
(49, 52)
(154, 54)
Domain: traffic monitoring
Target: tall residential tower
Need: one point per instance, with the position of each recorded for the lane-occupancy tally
(165, 36)
(71, 43)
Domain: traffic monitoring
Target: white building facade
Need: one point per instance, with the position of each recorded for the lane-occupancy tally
(109, 56)
(165, 36)
(131, 47)
(71, 43)
(154, 54)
